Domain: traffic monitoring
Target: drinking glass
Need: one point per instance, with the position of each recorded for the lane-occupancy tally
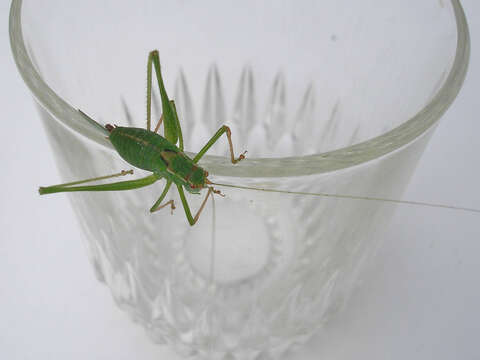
(333, 97)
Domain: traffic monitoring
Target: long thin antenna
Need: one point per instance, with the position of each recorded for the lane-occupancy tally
(369, 198)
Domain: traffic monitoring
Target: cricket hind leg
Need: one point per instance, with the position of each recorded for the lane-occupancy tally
(224, 129)
(157, 205)
(171, 129)
(158, 124)
(69, 184)
(116, 186)
(160, 121)
(158, 109)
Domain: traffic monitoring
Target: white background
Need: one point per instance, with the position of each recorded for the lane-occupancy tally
(420, 298)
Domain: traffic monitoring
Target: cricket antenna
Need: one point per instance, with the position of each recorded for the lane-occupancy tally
(353, 197)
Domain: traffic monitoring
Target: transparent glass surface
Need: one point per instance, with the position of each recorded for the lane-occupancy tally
(329, 96)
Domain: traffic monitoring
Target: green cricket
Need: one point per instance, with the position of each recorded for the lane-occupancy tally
(147, 150)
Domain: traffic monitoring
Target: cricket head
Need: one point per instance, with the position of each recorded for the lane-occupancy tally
(197, 180)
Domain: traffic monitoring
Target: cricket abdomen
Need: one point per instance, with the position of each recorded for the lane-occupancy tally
(141, 148)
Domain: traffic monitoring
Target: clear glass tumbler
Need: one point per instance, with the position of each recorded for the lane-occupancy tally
(328, 96)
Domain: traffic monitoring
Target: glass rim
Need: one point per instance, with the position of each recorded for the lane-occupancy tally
(326, 162)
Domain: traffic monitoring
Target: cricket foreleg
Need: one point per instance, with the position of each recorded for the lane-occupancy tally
(213, 140)
(194, 219)
(157, 205)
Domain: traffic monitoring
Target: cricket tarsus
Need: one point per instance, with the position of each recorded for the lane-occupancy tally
(353, 197)
(162, 155)
(170, 202)
(157, 205)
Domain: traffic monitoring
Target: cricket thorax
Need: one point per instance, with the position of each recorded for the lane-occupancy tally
(185, 169)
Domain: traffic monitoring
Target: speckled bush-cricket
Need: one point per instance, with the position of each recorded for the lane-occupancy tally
(146, 149)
